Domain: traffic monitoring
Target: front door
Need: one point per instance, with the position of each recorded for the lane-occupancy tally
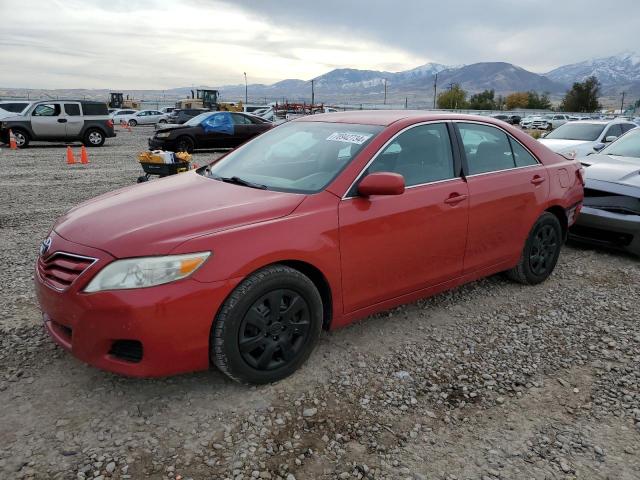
(47, 121)
(393, 245)
(507, 185)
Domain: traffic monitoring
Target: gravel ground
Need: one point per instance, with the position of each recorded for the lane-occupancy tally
(490, 381)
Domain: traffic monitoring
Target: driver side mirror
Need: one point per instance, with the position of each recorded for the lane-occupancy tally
(610, 138)
(381, 183)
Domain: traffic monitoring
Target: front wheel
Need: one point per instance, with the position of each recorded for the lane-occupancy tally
(267, 327)
(163, 121)
(540, 253)
(185, 144)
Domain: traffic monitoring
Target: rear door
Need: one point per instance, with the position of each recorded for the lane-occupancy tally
(48, 121)
(244, 129)
(75, 120)
(395, 245)
(507, 187)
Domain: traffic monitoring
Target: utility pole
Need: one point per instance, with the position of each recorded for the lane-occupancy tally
(245, 89)
(406, 102)
(435, 90)
(313, 93)
(385, 91)
(622, 104)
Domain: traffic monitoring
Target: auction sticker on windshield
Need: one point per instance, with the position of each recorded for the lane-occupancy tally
(349, 137)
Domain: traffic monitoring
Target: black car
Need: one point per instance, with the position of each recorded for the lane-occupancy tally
(209, 130)
(180, 116)
(511, 119)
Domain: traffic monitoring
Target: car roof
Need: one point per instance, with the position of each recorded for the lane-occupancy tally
(387, 117)
(602, 122)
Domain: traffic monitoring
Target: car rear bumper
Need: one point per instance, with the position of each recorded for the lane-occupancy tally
(608, 229)
(147, 332)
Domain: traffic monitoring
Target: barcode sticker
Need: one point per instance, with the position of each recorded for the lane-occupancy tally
(349, 137)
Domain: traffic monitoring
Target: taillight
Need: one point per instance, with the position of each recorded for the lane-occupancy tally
(110, 123)
(580, 175)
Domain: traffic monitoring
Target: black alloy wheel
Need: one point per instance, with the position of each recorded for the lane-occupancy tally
(543, 249)
(268, 326)
(274, 329)
(185, 144)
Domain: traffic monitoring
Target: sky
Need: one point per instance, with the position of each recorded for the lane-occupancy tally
(161, 44)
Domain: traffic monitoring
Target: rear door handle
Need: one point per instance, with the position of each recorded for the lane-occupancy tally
(62, 120)
(455, 198)
(537, 180)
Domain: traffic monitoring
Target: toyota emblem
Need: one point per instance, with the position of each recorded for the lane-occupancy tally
(44, 246)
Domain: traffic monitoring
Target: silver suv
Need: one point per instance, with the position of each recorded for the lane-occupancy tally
(60, 120)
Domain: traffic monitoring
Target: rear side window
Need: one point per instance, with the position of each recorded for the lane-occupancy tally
(240, 119)
(422, 154)
(487, 148)
(72, 109)
(95, 109)
(521, 155)
(47, 110)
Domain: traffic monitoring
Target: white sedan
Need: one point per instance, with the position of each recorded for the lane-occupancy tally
(584, 137)
(145, 117)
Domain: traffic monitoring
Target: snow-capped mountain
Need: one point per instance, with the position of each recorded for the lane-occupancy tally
(616, 70)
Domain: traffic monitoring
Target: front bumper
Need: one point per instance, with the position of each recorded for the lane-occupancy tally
(161, 144)
(170, 323)
(608, 229)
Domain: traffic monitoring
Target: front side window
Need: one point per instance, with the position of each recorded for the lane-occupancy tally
(613, 131)
(627, 146)
(421, 155)
(47, 110)
(487, 148)
(302, 157)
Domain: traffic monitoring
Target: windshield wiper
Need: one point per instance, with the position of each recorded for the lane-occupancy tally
(240, 181)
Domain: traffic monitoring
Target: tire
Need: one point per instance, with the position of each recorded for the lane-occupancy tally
(132, 123)
(540, 253)
(246, 318)
(162, 121)
(22, 138)
(185, 144)
(93, 138)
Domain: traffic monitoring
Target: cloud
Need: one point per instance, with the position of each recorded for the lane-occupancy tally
(164, 43)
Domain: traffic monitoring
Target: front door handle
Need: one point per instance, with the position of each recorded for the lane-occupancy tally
(455, 198)
(537, 180)
(62, 120)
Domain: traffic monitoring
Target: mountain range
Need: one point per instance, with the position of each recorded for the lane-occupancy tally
(348, 85)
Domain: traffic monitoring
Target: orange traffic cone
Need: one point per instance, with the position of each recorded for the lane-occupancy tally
(70, 158)
(12, 141)
(84, 158)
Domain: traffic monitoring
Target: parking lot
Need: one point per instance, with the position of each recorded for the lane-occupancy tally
(490, 381)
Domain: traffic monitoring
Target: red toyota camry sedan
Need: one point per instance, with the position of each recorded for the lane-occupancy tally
(311, 225)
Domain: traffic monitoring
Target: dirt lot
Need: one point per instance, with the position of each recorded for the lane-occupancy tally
(490, 381)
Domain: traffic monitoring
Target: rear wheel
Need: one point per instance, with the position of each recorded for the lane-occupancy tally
(185, 144)
(162, 121)
(268, 326)
(540, 253)
(132, 123)
(93, 138)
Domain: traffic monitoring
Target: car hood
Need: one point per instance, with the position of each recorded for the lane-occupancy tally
(560, 145)
(615, 170)
(171, 127)
(153, 218)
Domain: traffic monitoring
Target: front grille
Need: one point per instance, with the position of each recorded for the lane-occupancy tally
(61, 269)
(127, 350)
(605, 237)
(611, 202)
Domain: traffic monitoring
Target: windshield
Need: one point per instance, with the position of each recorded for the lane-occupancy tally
(626, 146)
(298, 157)
(195, 121)
(578, 131)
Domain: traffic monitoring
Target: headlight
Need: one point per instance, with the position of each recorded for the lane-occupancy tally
(163, 134)
(146, 271)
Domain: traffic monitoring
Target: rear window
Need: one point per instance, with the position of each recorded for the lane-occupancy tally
(72, 109)
(95, 109)
(16, 107)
